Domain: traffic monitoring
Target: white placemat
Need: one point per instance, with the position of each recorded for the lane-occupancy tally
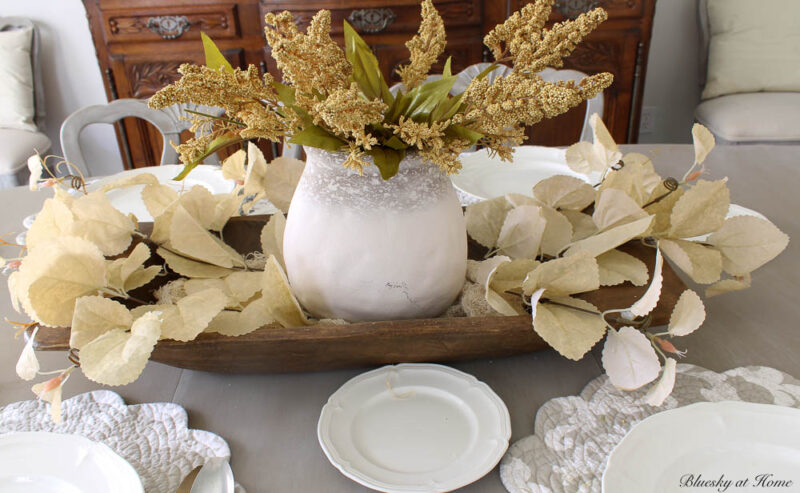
(573, 436)
(154, 438)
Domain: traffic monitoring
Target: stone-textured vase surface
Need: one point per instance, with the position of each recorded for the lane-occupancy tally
(362, 248)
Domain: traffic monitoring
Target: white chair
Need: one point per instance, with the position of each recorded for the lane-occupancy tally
(17, 144)
(169, 121)
(763, 117)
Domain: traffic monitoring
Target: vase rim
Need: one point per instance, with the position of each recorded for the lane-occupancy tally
(412, 160)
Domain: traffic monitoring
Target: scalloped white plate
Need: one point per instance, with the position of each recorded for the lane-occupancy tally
(128, 200)
(44, 462)
(677, 450)
(414, 427)
(487, 177)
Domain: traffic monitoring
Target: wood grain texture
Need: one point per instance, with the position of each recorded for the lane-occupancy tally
(322, 347)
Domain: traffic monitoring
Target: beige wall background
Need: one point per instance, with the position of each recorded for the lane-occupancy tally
(73, 80)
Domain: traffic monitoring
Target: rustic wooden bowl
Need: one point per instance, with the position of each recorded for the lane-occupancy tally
(273, 348)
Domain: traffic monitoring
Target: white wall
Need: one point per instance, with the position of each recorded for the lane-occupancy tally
(672, 89)
(71, 75)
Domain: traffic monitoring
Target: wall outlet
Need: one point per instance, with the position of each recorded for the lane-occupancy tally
(649, 120)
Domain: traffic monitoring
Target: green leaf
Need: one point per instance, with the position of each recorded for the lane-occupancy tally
(387, 160)
(315, 136)
(427, 96)
(463, 133)
(398, 107)
(447, 71)
(366, 71)
(285, 93)
(395, 143)
(446, 109)
(214, 57)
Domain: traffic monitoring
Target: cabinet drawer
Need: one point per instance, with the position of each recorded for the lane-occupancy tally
(395, 17)
(158, 24)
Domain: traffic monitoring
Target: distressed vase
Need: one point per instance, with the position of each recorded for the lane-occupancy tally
(361, 248)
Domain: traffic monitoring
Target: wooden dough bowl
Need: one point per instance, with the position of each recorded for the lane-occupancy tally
(322, 347)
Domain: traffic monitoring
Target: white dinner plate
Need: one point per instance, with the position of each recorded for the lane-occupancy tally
(129, 199)
(688, 448)
(487, 177)
(43, 462)
(414, 427)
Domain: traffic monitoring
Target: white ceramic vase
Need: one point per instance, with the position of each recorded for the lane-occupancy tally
(361, 248)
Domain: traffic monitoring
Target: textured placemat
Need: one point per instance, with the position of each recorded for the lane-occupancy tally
(573, 436)
(154, 438)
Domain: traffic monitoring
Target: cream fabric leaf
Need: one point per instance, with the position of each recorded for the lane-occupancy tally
(140, 277)
(35, 170)
(282, 304)
(582, 224)
(662, 210)
(616, 267)
(557, 231)
(157, 198)
(118, 357)
(54, 220)
(255, 175)
(129, 181)
(233, 167)
(200, 203)
(191, 268)
(232, 323)
(701, 209)
(702, 263)
(518, 199)
(581, 158)
(728, 285)
(226, 205)
(703, 141)
(13, 290)
(190, 237)
(190, 316)
(281, 179)
(649, 299)
(272, 237)
(565, 192)
(637, 178)
(570, 332)
(659, 392)
(509, 276)
(615, 208)
(504, 304)
(688, 314)
(99, 222)
(94, 316)
(55, 274)
(603, 143)
(242, 286)
(522, 231)
(629, 359)
(747, 243)
(564, 276)
(481, 272)
(27, 364)
(612, 238)
(485, 218)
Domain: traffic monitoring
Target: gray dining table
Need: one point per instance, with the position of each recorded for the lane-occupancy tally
(270, 420)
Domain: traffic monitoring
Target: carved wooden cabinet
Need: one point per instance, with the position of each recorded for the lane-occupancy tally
(141, 43)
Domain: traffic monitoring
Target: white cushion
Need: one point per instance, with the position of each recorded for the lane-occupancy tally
(753, 46)
(16, 79)
(753, 117)
(16, 146)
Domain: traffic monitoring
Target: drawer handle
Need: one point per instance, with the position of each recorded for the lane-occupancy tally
(169, 26)
(573, 8)
(371, 20)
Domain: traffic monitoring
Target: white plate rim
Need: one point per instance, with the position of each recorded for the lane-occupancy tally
(126, 471)
(720, 406)
(552, 155)
(349, 471)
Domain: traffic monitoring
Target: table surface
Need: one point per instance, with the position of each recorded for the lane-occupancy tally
(270, 421)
